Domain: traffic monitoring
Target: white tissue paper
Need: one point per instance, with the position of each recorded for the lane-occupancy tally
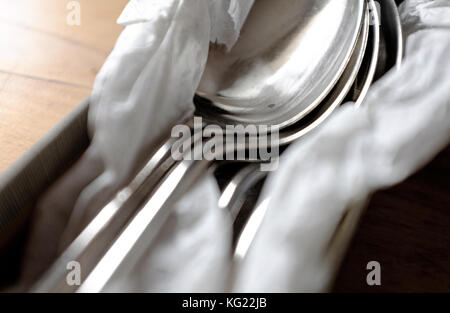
(147, 84)
(403, 123)
(144, 88)
(191, 253)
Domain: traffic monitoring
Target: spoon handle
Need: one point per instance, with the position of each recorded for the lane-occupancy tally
(132, 243)
(92, 242)
(233, 196)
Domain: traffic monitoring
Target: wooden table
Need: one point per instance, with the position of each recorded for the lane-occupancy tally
(47, 67)
(407, 230)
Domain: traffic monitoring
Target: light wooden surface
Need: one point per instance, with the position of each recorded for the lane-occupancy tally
(47, 66)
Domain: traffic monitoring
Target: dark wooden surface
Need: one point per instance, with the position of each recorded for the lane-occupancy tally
(407, 230)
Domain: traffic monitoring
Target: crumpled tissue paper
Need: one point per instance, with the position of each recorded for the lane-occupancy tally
(403, 123)
(145, 87)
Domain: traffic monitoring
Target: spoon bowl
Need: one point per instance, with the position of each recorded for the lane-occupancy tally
(301, 79)
(280, 70)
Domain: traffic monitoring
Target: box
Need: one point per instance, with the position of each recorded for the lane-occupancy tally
(28, 178)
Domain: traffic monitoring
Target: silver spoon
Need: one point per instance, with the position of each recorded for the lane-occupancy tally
(392, 32)
(133, 241)
(250, 229)
(232, 196)
(117, 212)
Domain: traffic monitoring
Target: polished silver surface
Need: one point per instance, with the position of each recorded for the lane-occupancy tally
(152, 213)
(132, 242)
(337, 95)
(280, 70)
(367, 75)
(249, 176)
(90, 245)
(251, 228)
(347, 227)
(391, 28)
(233, 196)
(392, 31)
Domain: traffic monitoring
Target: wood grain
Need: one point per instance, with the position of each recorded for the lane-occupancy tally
(407, 230)
(46, 66)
